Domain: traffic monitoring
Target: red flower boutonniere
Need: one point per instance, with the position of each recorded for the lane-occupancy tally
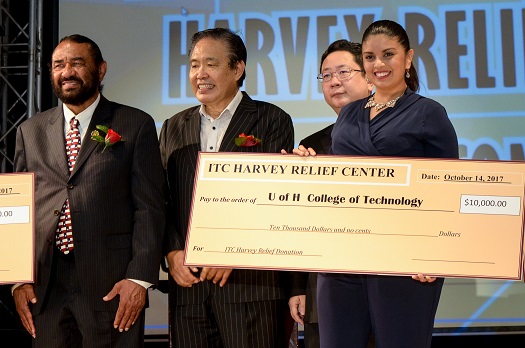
(247, 140)
(110, 139)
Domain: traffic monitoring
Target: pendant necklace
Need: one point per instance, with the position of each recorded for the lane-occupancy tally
(380, 106)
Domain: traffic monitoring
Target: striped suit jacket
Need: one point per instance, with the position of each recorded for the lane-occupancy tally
(180, 144)
(116, 197)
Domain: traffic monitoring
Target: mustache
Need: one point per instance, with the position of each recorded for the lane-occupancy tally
(62, 80)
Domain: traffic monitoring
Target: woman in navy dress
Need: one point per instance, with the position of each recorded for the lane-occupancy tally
(398, 311)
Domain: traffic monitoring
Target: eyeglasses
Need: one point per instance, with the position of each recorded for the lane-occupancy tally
(342, 74)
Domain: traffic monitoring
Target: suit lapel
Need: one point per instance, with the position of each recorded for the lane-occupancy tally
(326, 140)
(101, 116)
(56, 139)
(242, 122)
(191, 132)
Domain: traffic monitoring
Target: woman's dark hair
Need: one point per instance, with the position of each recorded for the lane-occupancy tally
(394, 30)
(344, 45)
(233, 43)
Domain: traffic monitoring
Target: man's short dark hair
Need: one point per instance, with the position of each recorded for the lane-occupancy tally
(81, 39)
(344, 45)
(233, 42)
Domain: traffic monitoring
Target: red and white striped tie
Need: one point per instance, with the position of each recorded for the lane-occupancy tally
(64, 233)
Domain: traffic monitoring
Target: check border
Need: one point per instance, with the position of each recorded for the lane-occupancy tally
(240, 224)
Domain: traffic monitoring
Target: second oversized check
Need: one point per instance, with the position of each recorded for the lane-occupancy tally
(373, 215)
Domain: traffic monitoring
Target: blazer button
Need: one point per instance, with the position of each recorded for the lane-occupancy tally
(70, 186)
(56, 212)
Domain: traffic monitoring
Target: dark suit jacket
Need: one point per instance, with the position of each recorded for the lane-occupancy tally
(116, 199)
(301, 282)
(180, 144)
(319, 141)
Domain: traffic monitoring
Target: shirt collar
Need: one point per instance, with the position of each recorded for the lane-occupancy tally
(83, 117)
(231, 108)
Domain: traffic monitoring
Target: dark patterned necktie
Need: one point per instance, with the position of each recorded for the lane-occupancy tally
(64, 233)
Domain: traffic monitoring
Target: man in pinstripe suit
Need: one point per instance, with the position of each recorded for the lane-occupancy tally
(219, 307)
(93, 295)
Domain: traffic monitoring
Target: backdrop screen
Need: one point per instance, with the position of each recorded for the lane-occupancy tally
(469, 55)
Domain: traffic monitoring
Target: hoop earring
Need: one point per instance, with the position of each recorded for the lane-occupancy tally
(407, 74)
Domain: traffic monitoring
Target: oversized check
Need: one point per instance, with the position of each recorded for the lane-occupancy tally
(16, 227)
(371, 215)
